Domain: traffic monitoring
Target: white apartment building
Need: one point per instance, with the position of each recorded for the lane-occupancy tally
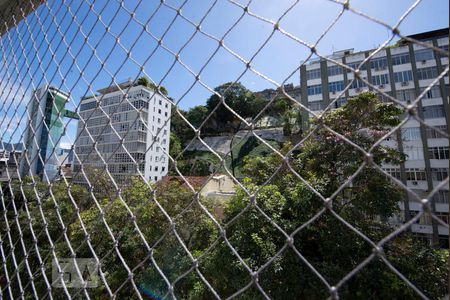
(126, 130)
(402, 71)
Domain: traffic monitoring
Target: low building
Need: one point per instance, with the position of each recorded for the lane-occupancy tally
(216, 189)
(9, 161)
(290, 89)
(65, 163)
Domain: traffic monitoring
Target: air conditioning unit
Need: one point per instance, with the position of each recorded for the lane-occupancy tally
(415, 183)
(333, 92)
(381, 86)
(405, 83)
(424, 62)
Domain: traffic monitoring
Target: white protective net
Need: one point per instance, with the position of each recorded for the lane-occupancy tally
(333, 187)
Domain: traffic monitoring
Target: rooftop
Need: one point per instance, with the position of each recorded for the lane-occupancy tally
(116, 87)
(422, 36)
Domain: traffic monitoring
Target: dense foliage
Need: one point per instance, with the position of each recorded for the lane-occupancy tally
(239, 99)
(324, 162)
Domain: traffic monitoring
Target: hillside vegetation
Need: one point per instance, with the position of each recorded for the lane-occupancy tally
(217, 120)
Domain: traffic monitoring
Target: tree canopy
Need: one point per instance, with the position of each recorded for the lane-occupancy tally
(238, 98)
(333, 249)
(325, 237)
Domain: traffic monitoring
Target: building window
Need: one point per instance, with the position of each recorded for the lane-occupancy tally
(444, 47)
(441, 196)
(314, 89)
(167, 105)
(355, 65)
(378, 63)
(415, 174)
(380, 79)
(312, 74)
(433, 112)
(123, 127)
(394, 172)
(86, 106)
(438, 152)
(413, 153)
(404, 76)
(424, 55)
(443, 216)
(358, 84)
(159, 111)
(336, 86)
(427, 73)
(411, 134)
(316, 105)
(434, 92)
(400, 59)
(340, 102)
(160, 102)
(384, 97)
(433, 134)
(334, 70)
(439, 174)
(406, 95)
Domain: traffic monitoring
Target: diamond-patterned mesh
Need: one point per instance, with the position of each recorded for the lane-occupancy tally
(165, 239)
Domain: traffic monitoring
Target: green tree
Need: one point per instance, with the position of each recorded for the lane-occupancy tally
(193, 226)
(143, 81)
(325, 162)
(197, 115)
(239, 99)
(159, 88)
(179, 126)
(242, 101)
(48, 211)
(175, 146)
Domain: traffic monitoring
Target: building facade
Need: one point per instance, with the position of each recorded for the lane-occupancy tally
(46, 111)
(402, 71)
(126, 130)
(290, 89)
(9, 160)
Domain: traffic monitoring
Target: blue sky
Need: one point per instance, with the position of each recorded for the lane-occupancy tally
(276, 60)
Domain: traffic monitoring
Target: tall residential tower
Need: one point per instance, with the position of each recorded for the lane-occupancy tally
(130, 125)
(402, 71)
(45, 127)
